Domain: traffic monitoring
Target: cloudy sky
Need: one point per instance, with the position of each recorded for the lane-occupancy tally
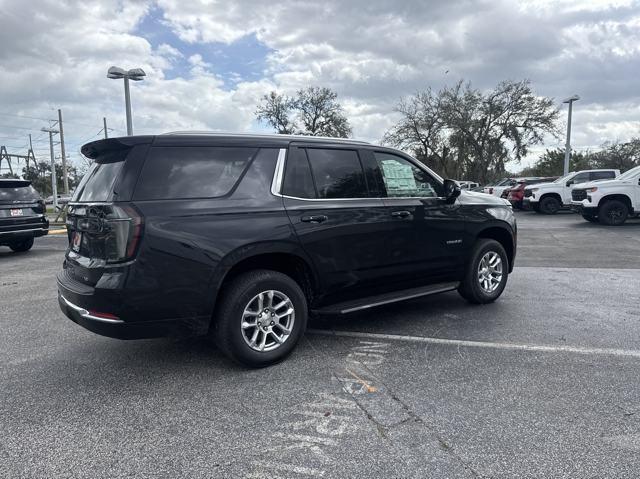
(208, 62)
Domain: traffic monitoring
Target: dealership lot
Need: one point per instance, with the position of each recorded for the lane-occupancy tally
(542, 383)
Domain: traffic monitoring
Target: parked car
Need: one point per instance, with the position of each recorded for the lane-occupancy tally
(549, 198)
(22, 215)
(610, 202)
(467, 185)
(500, 186)
(515, 194)
(243, 236)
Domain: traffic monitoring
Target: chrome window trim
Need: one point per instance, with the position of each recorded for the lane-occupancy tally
(278, 176)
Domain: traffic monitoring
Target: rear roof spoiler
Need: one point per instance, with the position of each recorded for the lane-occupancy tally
(13, 183)
(99, 147)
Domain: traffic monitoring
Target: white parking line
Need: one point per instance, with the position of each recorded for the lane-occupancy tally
(481, 344)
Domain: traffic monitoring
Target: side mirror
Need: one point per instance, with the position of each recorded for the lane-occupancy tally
(451, 190)
(569, 183)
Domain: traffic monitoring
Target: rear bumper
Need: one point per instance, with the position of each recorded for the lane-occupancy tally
(10, 235)
(79, 305)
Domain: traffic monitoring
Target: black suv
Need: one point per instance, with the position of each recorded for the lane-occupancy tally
(22, 215)
(243, 236)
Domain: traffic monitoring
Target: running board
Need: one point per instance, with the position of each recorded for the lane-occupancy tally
(387, 298)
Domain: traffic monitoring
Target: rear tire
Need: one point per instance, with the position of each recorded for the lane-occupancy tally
(235, 326)
(549, 205)
(475, 287)
(22, 246)
(613, 213)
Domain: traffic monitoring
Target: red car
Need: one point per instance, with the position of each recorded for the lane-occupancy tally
(516, 193)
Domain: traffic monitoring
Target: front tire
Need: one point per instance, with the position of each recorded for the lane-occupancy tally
(613, 213)
(261, 317)
(487, 273)
(22, 246)
(549, 205)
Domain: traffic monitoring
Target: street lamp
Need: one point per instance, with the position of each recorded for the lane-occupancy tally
(134, 74)
(567, 148)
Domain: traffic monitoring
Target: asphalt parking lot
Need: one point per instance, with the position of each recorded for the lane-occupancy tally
(542, 383)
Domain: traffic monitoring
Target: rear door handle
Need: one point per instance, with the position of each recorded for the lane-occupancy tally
(401, 214)
(314, 218)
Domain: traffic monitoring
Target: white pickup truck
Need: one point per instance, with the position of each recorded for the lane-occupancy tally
(548, 198)
(609, 202)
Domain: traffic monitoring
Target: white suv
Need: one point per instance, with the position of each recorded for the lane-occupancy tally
(610, 202)
(548, 198)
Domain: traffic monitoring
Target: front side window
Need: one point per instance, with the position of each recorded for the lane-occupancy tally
(580, 178)
(402, 179)
(337, 173)
(173, 172)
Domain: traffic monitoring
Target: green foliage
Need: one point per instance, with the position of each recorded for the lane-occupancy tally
(464, 133)
(40, 177)
(313, 111)
(621, 156)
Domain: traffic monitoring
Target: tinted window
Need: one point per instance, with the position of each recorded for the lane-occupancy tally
(403, 179)
(97, 183)
(601, 175)
(191, 172)
(580, 178)
(11, 191)
(337, 173)
(298, 181)
(256, 183)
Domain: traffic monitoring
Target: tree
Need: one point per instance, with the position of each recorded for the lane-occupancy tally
(464, 133)
(551, 163)
(622, 156)
(40, 177)
(313, 111)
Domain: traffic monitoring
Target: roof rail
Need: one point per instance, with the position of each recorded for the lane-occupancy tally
(259, 136)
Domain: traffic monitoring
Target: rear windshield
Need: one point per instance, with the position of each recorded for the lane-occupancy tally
(191, 172)
(11, 191)
(97, 183)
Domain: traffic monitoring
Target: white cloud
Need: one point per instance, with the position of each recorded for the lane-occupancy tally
(55, 55)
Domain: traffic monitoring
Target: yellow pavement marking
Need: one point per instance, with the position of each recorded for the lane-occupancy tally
(57, 232)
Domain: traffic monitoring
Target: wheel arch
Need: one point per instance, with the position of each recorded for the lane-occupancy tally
(619, 197)
(284, 259)
(505, 237)
(553, 194)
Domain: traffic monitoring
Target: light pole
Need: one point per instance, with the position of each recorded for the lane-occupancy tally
(134, 74)
(567, 148)
(54, 180)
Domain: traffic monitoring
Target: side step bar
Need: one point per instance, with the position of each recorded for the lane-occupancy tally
(387, 298)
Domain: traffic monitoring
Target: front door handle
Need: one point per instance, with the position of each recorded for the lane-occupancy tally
(401, 214)
(314, 218)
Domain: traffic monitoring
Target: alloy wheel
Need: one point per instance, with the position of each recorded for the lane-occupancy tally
(267, 321)
(490, 272)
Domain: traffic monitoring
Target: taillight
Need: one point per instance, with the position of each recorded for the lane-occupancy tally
(123, 230)
(42, 207)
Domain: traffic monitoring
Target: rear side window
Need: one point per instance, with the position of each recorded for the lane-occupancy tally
(11, 191)
(298, 181)
(337, 173)
(191, 172)
(601, 175)
(97, 183)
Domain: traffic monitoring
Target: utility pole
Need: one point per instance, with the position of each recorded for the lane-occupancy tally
(104, 121)
(65, 176)
(567, 148)
(54, 184)
(29, 154)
